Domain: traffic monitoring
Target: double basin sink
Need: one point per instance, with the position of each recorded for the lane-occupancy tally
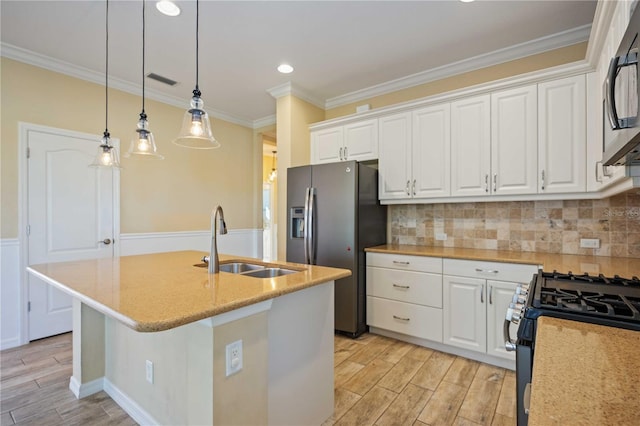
(255, 270)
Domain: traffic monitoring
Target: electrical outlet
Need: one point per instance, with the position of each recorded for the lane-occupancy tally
(441, 236)
(149, 371)
(234, 357)
(589, 243)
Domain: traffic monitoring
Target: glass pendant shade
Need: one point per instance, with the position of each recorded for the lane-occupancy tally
(274, 173)
(107, 155)
(143, 144)
(196, 128)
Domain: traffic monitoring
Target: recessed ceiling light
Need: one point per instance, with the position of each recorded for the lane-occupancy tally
(466, 1)
(167, 7)
(285, 68)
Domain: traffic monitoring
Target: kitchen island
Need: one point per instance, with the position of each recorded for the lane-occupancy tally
(152, 331)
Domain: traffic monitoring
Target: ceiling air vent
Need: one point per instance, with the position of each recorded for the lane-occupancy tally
(162, 79)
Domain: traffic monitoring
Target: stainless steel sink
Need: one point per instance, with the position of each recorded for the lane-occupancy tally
(269, 272)
(239, 267)
(254, 270)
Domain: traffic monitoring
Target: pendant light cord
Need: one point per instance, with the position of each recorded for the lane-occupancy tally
(143, 115)
(196, 91)
(106, 73)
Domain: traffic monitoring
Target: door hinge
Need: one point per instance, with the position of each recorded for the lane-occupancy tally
(28, 306)
(28, 230)
(28, 152)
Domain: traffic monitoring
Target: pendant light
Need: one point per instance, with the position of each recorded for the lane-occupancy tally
(143, 144)
(274, 173)
(107, 155)
(196, 129)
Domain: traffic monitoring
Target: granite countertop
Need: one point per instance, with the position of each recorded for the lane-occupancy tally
(156, 292)
(584, 374)
(578, 264)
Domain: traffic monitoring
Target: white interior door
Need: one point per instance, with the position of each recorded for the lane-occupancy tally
(70, 217)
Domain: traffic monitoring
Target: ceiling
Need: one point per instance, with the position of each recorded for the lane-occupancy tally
(341, 50)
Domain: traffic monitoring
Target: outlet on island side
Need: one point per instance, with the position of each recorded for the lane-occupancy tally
(234, 357)
(149, 371)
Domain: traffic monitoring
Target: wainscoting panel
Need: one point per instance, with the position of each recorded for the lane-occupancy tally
(10, 293)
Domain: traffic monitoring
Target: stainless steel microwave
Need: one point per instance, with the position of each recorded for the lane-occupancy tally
(621, 129)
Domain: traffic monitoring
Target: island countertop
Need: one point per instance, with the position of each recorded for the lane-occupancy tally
(578, 264)
(156, 292)
(584, 374)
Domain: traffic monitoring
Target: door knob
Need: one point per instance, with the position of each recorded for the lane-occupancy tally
(106, 241)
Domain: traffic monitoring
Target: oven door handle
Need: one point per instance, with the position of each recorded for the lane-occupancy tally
(509, 345)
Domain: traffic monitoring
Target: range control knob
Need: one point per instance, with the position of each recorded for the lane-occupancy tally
(518, 298)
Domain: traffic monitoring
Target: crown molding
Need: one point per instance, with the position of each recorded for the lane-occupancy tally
(289, 88)
(42, 61)
(264, 121)
(599, 30)
(543, 44)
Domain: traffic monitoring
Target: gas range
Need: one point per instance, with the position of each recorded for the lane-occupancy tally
(597, 299)
(612, 301)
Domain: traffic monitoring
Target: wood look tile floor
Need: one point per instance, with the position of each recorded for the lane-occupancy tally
(378, 381)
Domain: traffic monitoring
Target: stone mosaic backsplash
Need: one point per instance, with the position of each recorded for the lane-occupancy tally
(545, 226)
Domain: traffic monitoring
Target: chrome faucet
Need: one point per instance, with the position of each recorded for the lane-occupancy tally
(214, 262)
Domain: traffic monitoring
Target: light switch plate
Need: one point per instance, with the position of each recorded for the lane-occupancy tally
(589, 243)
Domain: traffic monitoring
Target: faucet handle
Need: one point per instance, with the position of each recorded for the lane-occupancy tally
(205, 259)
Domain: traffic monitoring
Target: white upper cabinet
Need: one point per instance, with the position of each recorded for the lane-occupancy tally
(394, 165)
(415, 154)
(470, 146)
(514, 137)
(431, 154)
(361, 141)
(354, 141)
(562, 135)
(327, 145)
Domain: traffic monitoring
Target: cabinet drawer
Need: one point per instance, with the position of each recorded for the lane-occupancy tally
(501, 271)
(406, 318)
(405, 262)
(405, 286)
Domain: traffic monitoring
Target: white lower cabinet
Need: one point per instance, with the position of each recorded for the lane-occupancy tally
(404, 294)
(454, 305)
(474, 306)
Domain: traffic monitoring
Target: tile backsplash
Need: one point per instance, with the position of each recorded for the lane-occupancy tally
(546, 226)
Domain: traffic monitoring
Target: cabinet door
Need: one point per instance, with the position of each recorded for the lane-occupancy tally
(361, 140)
(562, 144)
(431, 152)
(464, 312)
(514, 141)
(327, 145)
(394, 165)
(499, 295)
(470, 146)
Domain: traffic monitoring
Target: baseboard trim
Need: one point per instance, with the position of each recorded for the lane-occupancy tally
(135, 411)
(85, 389)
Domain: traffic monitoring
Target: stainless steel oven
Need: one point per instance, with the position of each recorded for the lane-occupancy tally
(609, 301)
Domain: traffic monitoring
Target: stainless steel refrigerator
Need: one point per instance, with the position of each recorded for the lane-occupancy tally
(333, 214)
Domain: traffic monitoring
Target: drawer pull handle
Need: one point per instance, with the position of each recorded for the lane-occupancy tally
(400, 318)
(487, 271)
(406, 287)
(397, 262)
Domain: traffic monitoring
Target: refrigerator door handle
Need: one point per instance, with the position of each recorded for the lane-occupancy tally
(306, 235)
(312, 219)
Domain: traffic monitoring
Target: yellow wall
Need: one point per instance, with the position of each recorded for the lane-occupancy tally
(532, 63)
(176, 194)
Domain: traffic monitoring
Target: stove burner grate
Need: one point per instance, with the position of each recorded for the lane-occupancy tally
(592, 303)
(596, 279)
